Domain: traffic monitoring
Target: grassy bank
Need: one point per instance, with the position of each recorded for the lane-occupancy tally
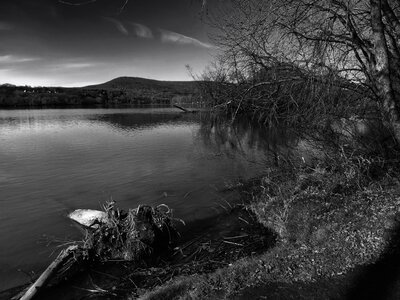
(331, 219)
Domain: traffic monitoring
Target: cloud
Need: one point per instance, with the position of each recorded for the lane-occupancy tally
(76, 65)
(12, 59)
(72, 64)
(118, 24)
(174, 37)
(5, 26)
(142, 31)
(139, 30)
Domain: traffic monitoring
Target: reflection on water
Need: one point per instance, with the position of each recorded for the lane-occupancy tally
(54, 161)
(246, 139)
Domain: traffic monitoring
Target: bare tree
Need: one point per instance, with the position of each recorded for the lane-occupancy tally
(352, 42)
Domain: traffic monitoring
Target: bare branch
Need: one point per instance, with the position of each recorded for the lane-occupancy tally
(334, 44)
(121, 9)
(123, 6)
(77, 4)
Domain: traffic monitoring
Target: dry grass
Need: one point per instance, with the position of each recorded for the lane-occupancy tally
(330, 218)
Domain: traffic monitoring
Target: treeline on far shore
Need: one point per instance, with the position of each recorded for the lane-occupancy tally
(26, 96)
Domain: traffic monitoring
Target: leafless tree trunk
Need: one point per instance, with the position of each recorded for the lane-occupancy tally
(381, 63)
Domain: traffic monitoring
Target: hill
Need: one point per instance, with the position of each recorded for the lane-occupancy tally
(119, 91)
(137, 83)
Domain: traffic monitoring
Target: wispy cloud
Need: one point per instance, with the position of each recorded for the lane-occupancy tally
(5, 26)
(174, 37)
(127, 28)
(73, 65)
(142, 30)
(118, 24)
(11, 59)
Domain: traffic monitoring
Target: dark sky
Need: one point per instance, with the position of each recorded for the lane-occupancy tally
(47, 42)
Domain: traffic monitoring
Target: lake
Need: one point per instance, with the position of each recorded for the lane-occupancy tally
(53, 161)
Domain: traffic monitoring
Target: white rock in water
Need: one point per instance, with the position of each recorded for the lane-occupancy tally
(88, 217)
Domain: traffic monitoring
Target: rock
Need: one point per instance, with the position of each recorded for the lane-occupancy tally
(89, 217)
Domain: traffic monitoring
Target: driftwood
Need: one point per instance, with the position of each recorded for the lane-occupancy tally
(185, 109)
(131, 235)
(51, 270)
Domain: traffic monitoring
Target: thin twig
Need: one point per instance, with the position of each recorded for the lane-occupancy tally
(187, 194)
(227, 202)
(232, 243)
(123, 6)
(105, 274)
(77, 4)
(218, 262)
(221, 206)
(247, 222)
(235, 237)
(121, 9)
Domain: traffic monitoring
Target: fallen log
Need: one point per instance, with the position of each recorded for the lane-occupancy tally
(130, 235)
(185, 109)
(134, 235)
(51, 270)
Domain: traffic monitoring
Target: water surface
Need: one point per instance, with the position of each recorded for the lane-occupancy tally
(53, 161)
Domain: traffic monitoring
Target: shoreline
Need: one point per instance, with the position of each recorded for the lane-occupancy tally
(225, 231)
(339, 243)
(331, 240)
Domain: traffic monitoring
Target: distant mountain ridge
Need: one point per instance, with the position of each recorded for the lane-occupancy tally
(137, 83)
(118, 91)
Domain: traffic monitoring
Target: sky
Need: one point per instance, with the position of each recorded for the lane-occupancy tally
(82, 42)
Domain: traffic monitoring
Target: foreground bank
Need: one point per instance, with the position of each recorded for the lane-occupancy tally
(338, 229)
